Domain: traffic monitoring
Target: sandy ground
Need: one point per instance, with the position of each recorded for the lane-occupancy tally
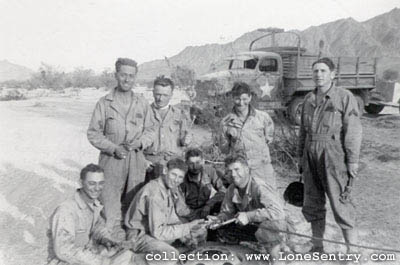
(44, 146)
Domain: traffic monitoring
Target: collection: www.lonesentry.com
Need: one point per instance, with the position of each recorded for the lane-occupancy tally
(283, 256)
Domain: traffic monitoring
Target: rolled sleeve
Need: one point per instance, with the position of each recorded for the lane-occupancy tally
(149, 130)
(352, 129)
(272, 206)
(158, 223)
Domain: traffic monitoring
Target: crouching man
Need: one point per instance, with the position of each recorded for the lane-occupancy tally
(151, 221)
(254, 207)
(202, 189)
(78, 230)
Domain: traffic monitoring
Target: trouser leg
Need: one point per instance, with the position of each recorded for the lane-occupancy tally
(115, 178)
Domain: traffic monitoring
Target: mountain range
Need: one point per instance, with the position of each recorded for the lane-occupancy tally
(377, 37)
(10, 71)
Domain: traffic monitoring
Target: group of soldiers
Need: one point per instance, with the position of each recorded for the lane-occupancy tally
(152, 191)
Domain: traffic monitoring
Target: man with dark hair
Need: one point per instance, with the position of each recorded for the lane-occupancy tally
(151, 219)
(202, 189)
(78, 229)
(121, 127)
(249, 131)
(255, 207)
(170, 126)
(329, 147)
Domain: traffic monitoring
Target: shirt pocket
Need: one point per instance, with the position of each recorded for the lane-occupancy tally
(137, 121)
(174, 126)
(111, 125)
(81, 235)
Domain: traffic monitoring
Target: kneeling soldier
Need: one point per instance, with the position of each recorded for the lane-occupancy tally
(79, 233)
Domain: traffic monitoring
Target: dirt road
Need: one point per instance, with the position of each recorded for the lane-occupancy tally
(44, 146)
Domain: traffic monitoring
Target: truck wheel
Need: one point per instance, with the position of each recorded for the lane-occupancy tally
(374, 108)
(295, 107)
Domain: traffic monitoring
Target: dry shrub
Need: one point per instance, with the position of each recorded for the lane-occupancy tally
(284, 147)
(11, 94)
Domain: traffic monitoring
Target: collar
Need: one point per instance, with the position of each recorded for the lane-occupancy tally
(252, 111)
(153, 105)
(236, 196)
(110, 96)
(82, 204)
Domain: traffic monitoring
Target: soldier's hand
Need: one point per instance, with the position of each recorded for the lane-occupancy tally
(120, 152)
(133, 145)
(205, 211)
(242, 218)
(352, 168)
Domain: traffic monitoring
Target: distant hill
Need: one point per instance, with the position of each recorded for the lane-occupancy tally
(10, 71)
(376, 37)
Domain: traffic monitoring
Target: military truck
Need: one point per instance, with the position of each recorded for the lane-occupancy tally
(280, 77)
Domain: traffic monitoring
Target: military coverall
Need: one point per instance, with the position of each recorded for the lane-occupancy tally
(263, 208)
(330, 138)
(76, 227)
(109, 128)
(209, 191)
(152, 221)
(170, 132)
(251, 137)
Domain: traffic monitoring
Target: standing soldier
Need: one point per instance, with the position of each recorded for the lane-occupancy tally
(121, 127)
(171, 132)
(250, 131)
(329, 147)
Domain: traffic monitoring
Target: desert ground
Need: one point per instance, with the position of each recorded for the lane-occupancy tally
(44, 146)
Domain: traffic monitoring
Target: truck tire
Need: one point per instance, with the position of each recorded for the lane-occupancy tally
(294, 109)
(374, 108)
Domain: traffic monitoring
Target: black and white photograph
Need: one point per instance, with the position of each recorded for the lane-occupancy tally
(199, 132)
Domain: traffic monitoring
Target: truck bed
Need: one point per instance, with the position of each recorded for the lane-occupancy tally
(351, 72)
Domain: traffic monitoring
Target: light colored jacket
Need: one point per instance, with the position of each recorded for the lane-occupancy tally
(260, 203)
(152, 212)
(109, 128)
(75, 229)
(251, 137)
(169, 132)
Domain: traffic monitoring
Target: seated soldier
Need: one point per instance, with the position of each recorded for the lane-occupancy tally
(78, 230)
(151, 221)
(202, 189)
(255, 208)
(171, 126)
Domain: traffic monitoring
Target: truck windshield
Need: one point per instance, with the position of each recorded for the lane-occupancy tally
(243, 64)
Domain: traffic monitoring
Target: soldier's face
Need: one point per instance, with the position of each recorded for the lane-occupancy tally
(126, 77)
(239, 174)
(195, 164)
(242, 102)
(93, 184)
(173, 178)
(322, 75)
(162, 95)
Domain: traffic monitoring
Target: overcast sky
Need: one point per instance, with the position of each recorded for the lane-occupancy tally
(93, 33)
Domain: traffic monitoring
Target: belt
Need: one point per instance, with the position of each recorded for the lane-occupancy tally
(322, 137)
